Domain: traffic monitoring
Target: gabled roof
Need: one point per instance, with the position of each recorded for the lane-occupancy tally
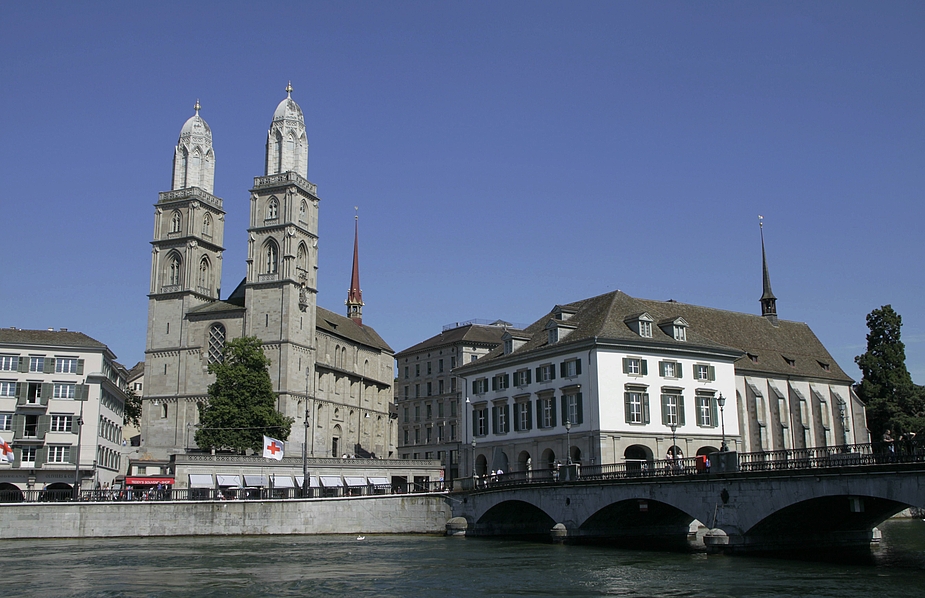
(215, 307)
(473, 334)
(346, 328)
(58, 338)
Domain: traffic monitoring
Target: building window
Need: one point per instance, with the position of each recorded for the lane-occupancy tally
(271, 264)
(453, 407)
(439, 433)
(28, 456)
(680, 333)
(417, 438)
(417, 413)
(637, 406)
(439, 408)
(417, 391)
(7, 388)
(406, 372)
(645, 329)
(37, 364)
(705, 373)
(406, 438)
(452, 362)
(521, 377)
(64, 391)
(523, 417)
(6, 421)
(429, 435)
(66, 365)
(428, 368)
(216, 343)
(407, 416)
(430, 387)
(706, 410)
(570, 368)
(672, 409)
(272, 209)
(9, 363)
(59, 454)
(480, 386)
(571, 408)
(440, 387)
(303, 208)
(669, 369)
(500, 416)
(500, 382)
(547, 412)
(452, 431)
(430, 411)
(453, 384)
(173, 270)
(634, 366)
(61, 423)
(207, 225)
(480, 421)
(440, 366)
(176, 222)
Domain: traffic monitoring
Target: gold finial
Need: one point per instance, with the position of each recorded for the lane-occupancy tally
(289, 89)
(760, 221)
(197, 107)
(356, 216)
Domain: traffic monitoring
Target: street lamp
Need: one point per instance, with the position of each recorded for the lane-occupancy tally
(80, 423)
(568, 443)
(674, 447)
(721, 401)
(474, 472)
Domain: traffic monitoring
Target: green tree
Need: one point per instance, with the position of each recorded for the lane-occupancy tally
(242, 405)
(132, 412)
(893, 401)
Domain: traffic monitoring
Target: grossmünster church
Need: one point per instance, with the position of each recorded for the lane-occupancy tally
(328, 367)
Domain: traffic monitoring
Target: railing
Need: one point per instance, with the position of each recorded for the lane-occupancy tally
(154, 494)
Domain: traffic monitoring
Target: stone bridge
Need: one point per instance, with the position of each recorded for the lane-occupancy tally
(771, 510)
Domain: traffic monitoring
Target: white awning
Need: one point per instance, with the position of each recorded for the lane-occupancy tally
(380, 481)
(255, 481)
(229, 481)
(355, 482)
(330, 481)
(282, 481)
(200, 480)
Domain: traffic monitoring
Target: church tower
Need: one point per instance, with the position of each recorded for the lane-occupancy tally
(768, 300)
(355, 294)
(282, 258)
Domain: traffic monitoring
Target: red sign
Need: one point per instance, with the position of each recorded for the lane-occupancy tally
(148, 481)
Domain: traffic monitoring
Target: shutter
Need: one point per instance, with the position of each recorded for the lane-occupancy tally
(83, 391)
(475, 424)
(645, 408)
(517, 409)
(527, 374)
(579, 415)
(507, 381)
(19, 425)
(494, 420)
(578, 366)
(475, 392)
(71, 453)
(665, 421)
(80, 366)
(564, 403)
(626, 367)
(529, 407)
(22, 391)
(552, 409)
(48, 390)
(43, 426)
(712, 373)
(627, 413)
(661, 368)
(552, 372)
(539, 375)
(562, 372)
(23, 364)
(680, 410)
(507, 417)
(49, 365)
(494, 383)
(643, 367)
(40, 456)
(17, 457)
(539, 414)
(713, 415)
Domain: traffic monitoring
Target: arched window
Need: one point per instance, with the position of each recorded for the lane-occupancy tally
(301, 259)
(207, 225)
(216, 343)
(272, 209)
(272, 255)
(205, 274)
(176, 222)
(173, 270)
(303, 211)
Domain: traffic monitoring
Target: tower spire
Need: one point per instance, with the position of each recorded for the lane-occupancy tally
(355, 295)
(768, 300)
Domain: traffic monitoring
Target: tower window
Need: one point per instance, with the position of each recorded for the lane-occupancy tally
(204, 274)
(216, 343)
(272, 261)
(173, 270)
(207, 225)
(272, 209)
(301, 257)
(176, 222)
(303, 210)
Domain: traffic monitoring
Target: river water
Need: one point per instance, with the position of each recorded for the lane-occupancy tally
(228, 567)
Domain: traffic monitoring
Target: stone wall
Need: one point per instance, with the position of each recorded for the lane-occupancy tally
(398, 514)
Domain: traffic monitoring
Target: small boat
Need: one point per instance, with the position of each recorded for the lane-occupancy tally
(360, 538)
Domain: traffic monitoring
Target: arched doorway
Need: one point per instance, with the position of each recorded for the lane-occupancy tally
(706, 450)
(524, 462)
(575, 454)
(674, 452)
(10, 493)
(481, 466)
(549, 459)
(57, 492)
(637, 458)
(335, 440)
(501, 462)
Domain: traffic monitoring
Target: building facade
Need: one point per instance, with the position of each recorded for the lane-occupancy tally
(331, 373)
(62, 400)
(428, 396)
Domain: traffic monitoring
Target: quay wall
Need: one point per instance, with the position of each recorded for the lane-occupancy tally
(391, 514)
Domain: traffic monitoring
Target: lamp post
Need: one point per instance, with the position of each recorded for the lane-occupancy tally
(568, 442)
(721, 401)
(674, 447)
(80, 424)
(474, 472)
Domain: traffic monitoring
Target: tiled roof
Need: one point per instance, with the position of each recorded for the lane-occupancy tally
(345, 327)
(58, 338)
(477, 334)
(137, 370)
(215, 307)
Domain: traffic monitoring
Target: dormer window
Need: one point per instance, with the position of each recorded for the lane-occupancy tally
(512, 342)
(645, 329)
(557, 331)
(676, 328)
(680, 333)
(563, 313)
(508, 347)
(641, 324)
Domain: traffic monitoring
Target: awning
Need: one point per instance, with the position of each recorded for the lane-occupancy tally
(355, 482)
(280, 481)
(312, 481)
(229, 481)
(149, 481)
(330, 481)
(200, 480)
(380, 481)
(255, 481)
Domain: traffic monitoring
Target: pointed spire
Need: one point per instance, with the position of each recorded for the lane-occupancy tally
(197, 107)
(355, 295)
(768, 300)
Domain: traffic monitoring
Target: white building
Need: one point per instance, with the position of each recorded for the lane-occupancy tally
(62, 396)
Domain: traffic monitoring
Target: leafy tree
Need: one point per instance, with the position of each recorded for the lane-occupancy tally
(242, 405)
(132, 413)
(893, 401)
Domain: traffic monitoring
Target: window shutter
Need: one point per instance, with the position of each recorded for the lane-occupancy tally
(494, 420)
(643, 367)
(562, 372)
(529, 407)
(713, 415)
(564, 403)
(665, 421)
(17, 457)
(645, 408)
(506, 381)
(627, 412)
(43, 426)
(661, 368)
(19, 425)
(527, 374)
(80, 366)
(474, 391)
(49, 365)
(70, 453)
(82, 393)
(552, 410)
(680, 410)
(578, 366)
(539, 414)
(517, 409)
(494, 383)
(539, 374)
(41, 456)
(712, 373)
(678, 370)
(552, 372)
(22, 390)
(24, 364)
(507, 417)
(475, 422)
(626, 367)
(579, 415)
(48, 389)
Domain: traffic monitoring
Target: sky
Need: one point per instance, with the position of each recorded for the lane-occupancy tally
(504, 157)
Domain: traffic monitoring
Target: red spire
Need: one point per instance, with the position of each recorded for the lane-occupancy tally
(355, 295)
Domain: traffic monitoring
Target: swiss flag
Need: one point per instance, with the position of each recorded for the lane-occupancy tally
(6, 451)
(272, 448)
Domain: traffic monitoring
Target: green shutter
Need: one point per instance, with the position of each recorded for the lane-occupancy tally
(678, 370)
(527, 374)
(661, 368)
(713, 415)
(80, 366)
(562, 371)
(17, 456)
(552, 372)
(507, 417)
(494, 419)
(43, 426)
(507, 381)
(539, 375)
(552, 406)
(529, 407)
(49, 365)
(665, 421)
(564, 403)
(22, 391)
(19, 425)
(680, 410)
(475, 426)
(83, 392)
(24, 364)
(578, 409)
(626, 367)
(539, 414)
(48, 389)
(578, 366)
(643, 367)
(627, 413)
(712, 373)
(517, 409)
(41, 455)
(645, 408)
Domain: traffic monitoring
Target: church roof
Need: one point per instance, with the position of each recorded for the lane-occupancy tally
(216, 307)
(473, 334)
(346, 328)
(195, 125)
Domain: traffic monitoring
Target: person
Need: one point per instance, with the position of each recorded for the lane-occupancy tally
(888, 441)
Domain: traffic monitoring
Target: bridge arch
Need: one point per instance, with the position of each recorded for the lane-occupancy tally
(638, 523)
(514, 518)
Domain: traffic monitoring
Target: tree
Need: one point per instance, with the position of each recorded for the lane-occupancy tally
(132, 412)
(893, 401)
(242, 405)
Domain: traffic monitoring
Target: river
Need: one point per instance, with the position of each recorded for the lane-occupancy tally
(229, 567)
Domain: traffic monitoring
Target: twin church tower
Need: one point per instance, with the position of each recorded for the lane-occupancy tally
(332, 373)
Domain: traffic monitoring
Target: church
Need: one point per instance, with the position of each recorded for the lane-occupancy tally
(332, 374)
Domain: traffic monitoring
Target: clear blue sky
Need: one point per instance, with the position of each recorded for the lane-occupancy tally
(505, 156)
